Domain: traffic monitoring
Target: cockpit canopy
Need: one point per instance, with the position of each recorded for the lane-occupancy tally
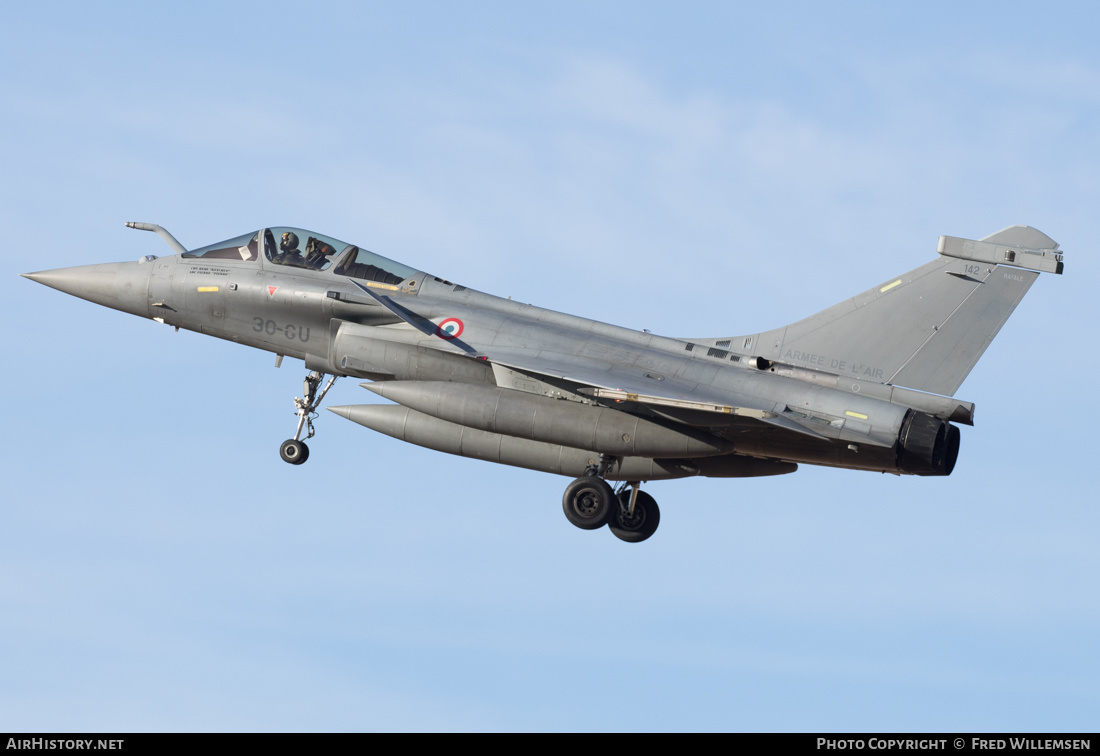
(238, 248)
(298, 248)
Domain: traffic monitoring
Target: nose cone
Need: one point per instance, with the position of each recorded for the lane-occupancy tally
(120, 286)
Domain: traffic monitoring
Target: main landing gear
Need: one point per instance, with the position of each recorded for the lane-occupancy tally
(294, 450)
(590, 503)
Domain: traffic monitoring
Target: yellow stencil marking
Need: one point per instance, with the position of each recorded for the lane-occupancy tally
(889, 286)
(860, 415)
(207, 288)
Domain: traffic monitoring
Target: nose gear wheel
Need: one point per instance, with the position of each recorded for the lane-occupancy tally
(294, 452)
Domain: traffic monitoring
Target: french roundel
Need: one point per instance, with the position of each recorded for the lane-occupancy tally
(451, 328)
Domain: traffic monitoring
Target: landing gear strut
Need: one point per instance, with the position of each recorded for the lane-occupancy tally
(294, 450)
(589, 503)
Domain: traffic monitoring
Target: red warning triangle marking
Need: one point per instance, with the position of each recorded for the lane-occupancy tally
(271, 290)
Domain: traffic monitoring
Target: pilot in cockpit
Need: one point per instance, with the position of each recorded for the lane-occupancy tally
(289, 254)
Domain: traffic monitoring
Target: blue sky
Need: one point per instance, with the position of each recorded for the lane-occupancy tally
(706, 169)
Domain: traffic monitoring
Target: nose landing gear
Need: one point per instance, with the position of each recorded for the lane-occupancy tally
(629, 513)
(294, 450)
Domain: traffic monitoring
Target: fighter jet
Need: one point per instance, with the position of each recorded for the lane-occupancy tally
(866, 384)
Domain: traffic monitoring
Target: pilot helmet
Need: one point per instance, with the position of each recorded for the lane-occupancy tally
(289, 241)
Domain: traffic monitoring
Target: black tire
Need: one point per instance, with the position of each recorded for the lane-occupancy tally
(294, 452)
(588, 502)
(644, 522)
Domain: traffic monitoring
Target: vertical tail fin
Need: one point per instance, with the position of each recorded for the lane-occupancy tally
(925, 329)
